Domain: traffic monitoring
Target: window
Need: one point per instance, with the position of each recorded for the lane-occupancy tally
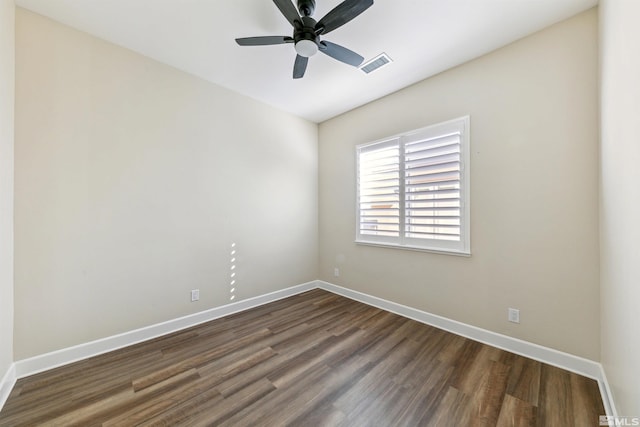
(413, 189)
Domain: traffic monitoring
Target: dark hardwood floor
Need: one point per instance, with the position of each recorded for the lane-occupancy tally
(315, 359)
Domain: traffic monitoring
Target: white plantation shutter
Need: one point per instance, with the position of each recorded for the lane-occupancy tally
(413, 189)
(432, 188)
(379, 189)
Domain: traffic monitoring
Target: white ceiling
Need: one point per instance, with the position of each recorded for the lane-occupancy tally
(422, 37)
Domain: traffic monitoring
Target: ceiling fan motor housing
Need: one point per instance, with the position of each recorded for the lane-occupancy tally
(306, 7)
(306, 40)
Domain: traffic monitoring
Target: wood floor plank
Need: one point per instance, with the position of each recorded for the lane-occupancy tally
(517, 413)
(147, 405)
(314, 359)
(583, 392)
(417, 371)
(524, 381)
(427, 395)
(310, 359)
(209, 407)
(278, 409)
(256, 373)
(336, 383)
(454, 410)
(487, 399)
(366, 393)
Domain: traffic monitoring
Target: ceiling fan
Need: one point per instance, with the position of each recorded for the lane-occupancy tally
(307, 32)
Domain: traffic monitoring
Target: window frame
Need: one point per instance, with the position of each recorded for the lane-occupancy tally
(461, 247)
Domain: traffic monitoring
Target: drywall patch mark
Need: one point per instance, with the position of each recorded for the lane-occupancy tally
(233, 273)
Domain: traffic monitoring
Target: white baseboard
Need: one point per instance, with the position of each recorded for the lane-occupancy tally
(579, 365)
(570, 362)
(605, 392)
(44, 362)
(6, 384)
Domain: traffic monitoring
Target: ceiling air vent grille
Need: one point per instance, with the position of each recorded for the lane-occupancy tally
(377, 62)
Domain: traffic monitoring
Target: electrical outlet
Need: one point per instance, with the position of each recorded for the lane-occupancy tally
(336, 272)
(514, 315)
(195, 295)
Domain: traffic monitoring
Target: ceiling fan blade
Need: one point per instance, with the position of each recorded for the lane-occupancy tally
(340, 53)
(263, 40)
(300, 66)
(341, 14)
(288, 10)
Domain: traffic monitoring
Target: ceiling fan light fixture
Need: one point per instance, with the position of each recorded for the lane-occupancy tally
(306, 48)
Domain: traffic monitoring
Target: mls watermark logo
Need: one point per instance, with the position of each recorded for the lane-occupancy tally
(610, 420)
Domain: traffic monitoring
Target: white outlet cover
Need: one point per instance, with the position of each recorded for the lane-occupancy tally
(514, 315)
(195, 295)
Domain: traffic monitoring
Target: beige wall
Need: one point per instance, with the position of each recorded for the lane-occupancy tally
(534, 198)
(133, 180)
(620, 200)
(7, 9)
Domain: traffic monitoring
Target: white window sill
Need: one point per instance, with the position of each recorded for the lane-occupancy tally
(416, 248)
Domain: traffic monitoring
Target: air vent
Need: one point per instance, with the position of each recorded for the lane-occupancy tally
(377, 62)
